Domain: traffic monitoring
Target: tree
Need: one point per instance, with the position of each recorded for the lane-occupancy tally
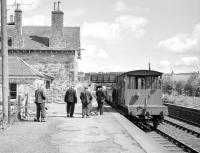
(167, 85)
(192, 85)
(179, 87)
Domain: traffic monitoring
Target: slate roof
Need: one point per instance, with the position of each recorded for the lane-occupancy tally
(37, 37)
(20, 69)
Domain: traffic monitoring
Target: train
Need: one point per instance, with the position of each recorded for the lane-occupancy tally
(138, 93)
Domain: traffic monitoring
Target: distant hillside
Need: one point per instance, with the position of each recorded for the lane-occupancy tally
(178, 76)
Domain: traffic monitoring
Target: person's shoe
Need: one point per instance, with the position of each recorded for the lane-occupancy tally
(83, 116)
(36, 120)
(96, 113)
(67, 115)
(43, 120)
(87, 116)
(71, 116)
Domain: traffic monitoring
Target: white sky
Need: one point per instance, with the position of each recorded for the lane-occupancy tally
(123, 35)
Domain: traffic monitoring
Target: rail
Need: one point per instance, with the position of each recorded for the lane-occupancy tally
(197, 134)
(178, 143)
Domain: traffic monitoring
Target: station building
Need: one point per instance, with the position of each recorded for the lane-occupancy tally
(23, 79)
(53, 50)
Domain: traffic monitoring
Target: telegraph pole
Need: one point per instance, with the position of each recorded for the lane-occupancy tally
(4, 56)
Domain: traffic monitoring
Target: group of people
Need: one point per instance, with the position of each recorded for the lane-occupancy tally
(70, 98)
(86, 98)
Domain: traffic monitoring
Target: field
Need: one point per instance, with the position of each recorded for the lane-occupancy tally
(191, 102)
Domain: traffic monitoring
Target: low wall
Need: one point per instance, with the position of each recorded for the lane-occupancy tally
(189, 114)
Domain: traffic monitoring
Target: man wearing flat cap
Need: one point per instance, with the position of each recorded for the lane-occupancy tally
(86, 98)
(71, 100)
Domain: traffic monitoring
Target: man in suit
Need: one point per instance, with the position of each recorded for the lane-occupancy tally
(71, 100)
(86, 98)
(40, 98)
(100, 96)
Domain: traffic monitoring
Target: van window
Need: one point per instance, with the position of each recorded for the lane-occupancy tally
(131, 82)
(140, 83)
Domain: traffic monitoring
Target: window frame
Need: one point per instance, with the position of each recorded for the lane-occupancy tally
(13, 91)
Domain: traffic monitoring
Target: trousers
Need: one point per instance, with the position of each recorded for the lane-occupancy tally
(70, 108)
(85, 109)
(100, 107)
(40, 111)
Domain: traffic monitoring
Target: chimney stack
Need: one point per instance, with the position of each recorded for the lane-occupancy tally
(57, 27)
(18, 42)
(18, 20)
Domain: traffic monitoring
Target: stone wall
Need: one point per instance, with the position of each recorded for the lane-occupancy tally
(63, 78)
(61, 66)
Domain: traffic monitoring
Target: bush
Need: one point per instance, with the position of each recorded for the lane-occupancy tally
(191, 87)
(167, 85)
(179, 87)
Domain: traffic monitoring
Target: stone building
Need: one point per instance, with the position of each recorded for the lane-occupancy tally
(53, 50)
(23, 79)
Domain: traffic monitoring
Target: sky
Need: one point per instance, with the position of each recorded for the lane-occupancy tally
(125, 35)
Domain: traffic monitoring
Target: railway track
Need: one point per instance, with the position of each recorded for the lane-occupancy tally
(167, 141)
(172, 138)
(164, 141)
(183, 126)
(186, 141)
(175, 138)
(185, 120)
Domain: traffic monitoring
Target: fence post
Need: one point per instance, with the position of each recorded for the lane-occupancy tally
(19, 107)
(26, 105)
(9, 110)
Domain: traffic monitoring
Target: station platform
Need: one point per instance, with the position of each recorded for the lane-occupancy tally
(107, 133)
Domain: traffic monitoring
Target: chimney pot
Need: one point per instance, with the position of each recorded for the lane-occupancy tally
(59, 5)
(54, 6)
(17, 6)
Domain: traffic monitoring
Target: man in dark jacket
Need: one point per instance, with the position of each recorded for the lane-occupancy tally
(71, 100)
(40, 98)
(86, 98)
(100, 95)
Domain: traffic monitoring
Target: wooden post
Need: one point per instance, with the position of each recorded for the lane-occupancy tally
(4, 55)
(9, 110)
(19, 108)
(26, 105)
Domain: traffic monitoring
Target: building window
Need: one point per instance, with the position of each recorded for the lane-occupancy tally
(9, 41)
(48, 84)
(13, 90)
